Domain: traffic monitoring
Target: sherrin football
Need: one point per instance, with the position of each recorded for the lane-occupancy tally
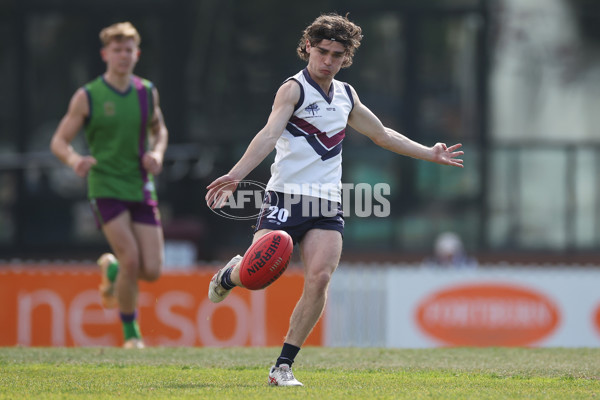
(266, 260)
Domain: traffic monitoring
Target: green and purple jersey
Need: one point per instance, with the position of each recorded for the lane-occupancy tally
(116, 131)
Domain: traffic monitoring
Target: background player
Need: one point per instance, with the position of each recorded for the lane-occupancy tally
(127, 138)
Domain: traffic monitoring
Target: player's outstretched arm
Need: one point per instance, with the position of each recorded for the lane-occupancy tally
(367, 123)
(68, 128)
(259, 148)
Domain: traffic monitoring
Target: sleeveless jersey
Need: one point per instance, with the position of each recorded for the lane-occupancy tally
(116, 132)
(309, 152)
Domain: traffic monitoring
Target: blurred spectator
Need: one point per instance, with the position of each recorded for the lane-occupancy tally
(449, 252)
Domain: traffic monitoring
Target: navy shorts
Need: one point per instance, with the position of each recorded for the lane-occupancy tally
(297, 214)
(144, 212)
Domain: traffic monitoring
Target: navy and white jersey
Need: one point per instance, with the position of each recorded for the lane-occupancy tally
(309, 152)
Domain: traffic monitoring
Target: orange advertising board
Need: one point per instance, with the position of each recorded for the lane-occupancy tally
(488, 314)
(54, 306)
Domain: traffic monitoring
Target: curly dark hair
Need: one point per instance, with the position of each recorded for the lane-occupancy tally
(332, 27)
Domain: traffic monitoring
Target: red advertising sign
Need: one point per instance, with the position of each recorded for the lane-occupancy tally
(61, 307)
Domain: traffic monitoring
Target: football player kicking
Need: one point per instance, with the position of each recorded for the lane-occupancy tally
(306, 127)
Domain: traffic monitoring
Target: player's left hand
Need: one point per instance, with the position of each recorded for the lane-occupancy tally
(152, 162)
(447, 155)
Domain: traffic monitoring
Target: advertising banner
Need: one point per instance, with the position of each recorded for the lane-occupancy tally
(60, 306)
(369, 305)
(412, 307)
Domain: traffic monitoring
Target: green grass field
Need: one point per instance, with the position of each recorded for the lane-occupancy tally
(327, 373)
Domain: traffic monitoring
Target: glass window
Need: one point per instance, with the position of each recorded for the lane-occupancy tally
(447, 78)
(9, 101)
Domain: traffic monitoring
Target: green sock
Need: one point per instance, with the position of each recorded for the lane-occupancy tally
(131, 330)
(112, 271)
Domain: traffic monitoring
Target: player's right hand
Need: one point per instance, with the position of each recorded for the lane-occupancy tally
(219, 190)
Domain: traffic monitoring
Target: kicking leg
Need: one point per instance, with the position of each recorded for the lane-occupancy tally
(228, 277)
